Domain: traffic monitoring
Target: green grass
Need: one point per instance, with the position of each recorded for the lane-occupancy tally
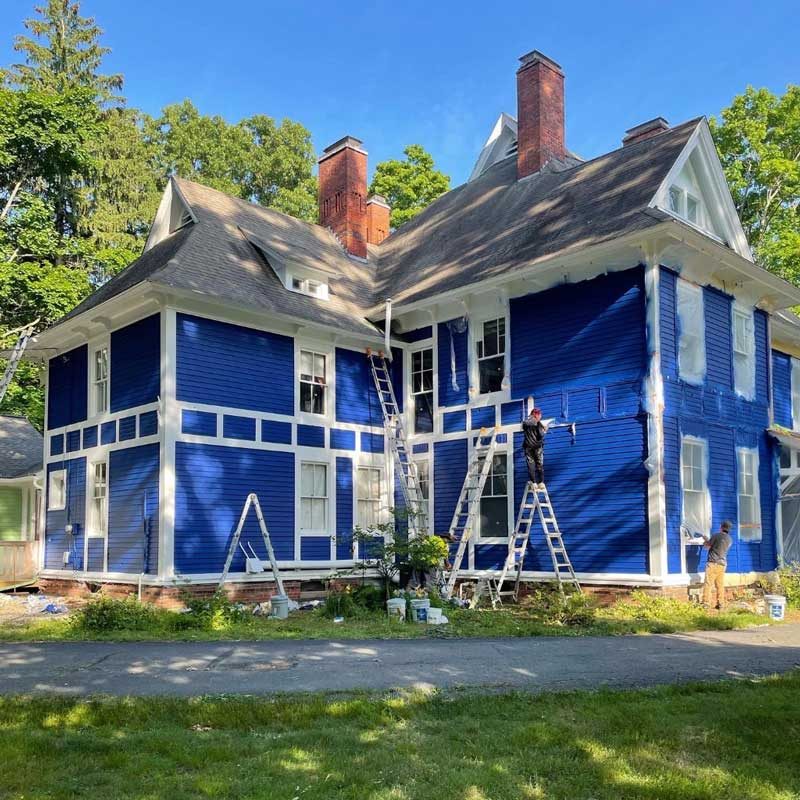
(729, 740)
(640, 614)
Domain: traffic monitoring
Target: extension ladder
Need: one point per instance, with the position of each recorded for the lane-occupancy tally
(535, 497)
(17, 352)
(252, 500)
(396, 434)
(469, 502)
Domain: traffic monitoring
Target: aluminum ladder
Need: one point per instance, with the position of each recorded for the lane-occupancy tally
(398, 441)
(535, 497)
(252, 500)
(25, 335)
(469, 502)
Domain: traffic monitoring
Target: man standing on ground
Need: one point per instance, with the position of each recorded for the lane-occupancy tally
(718, 546)
(534, 431)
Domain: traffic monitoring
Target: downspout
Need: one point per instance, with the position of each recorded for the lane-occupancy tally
(654, 406)
(387, 332)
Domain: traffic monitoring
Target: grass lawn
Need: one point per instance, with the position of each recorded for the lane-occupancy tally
(729, 740)
(640, 614)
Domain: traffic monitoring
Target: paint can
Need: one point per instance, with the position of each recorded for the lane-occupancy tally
(419, 609)
(436, 617)
(396, 608)
(776, 606)
(280, 606)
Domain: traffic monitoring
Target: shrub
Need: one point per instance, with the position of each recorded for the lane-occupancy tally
(790, 584)
(339, 603)
(427, 552)
(369, 597)
(104, 613)
(211, 613)
(551, 607)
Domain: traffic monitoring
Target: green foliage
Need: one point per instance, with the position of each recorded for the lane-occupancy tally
(211, 613)
(102, 614)
(550, 607)
(758, 139)
(790, 584)
(410, 184)
(427, 552)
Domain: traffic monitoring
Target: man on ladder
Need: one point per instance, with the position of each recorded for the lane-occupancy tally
(534, 431)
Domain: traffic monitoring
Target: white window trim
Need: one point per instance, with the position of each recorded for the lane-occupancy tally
(685, 287)
(794, 383)
(475, 327)
(751, 451)
(91, 532)
(95, 345)
(329, 351)
(320, 291)
(477, 538)
(747, 392)
(427, 458)
(380, 499)
(704, 445)
(305, 457)
(410, 389)
(62, 504)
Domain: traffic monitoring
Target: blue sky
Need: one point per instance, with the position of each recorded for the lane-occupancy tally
(438, 73)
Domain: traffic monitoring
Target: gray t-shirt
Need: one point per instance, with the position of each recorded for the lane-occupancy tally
(718, 546)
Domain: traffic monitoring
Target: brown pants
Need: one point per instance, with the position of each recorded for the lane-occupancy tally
(715, 579)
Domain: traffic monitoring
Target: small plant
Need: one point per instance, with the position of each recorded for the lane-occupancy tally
(339, 602)
(551, 607)
(211, 613)
(427, 552)
(103, 613)
(790, 583)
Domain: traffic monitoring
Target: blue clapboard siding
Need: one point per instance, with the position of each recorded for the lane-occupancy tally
(719, 344)
(127, 428)
(483, 417)
(57, 444)
(586, 334)
(67, 379)
(56, 540)
(668, 322)
(136, 364)
(108, 432)
(371, 442)
(418, 335)
(672, 492)
(448, 395)
(782, 388)
(234, 427)
(311, 435)
(73, 441)
(90, 436)
(761, 325)
(454, 421)
(598, 486)
(344, 508)
(315, 548)
(95, 554)
(512, 413)
(229, 365)
(148, 423)
(211, 485)
(356, 396)
(342, 439)
(199, 423)
(449, 469)
(277, 432)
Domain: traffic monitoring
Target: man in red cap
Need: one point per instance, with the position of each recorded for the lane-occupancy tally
(534, 430)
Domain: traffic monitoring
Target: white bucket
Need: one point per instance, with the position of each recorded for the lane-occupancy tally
(396, 608)
(280, 606)
(434, 616)
(419, 609)
(776, 606)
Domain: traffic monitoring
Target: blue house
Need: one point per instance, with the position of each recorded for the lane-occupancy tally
(619, 293)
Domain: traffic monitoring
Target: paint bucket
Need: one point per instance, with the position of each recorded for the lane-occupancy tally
(435, 616)
(419, 609)
(396, 608)
(776, 606)
(280, 606)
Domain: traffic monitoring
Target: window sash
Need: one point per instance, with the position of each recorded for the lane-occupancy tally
(749, 499)
(57, 490)
(313, 382)
(494, 500)
(694, 487)
(98, 527)
(313, 497)
(100, 380)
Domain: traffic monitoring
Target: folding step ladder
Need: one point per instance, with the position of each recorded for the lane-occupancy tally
(469, 502)
(398, 441)
(252, 500)
(535, 497)
(25, 334)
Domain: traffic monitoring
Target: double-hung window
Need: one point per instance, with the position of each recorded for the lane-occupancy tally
(313, 497)
(422, 389)
(100, 380)
(313, 382)
(692, 338)
(57, 490)
(491, 349)
(749, 498)
(424, 478)
(494, 500)
(744, 347)
(98, 517)
(368, 497)
(694, 475)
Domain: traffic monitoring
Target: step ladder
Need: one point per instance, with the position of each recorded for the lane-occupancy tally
(535, 498)
(252, 500)
(469, 502)
(398, 442)
(25, 335)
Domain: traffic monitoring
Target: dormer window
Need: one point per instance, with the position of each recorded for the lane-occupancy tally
(310, 287)
(686, 205)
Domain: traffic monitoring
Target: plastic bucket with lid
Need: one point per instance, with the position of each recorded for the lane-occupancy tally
(776, 606)
(280, 606)
(434, 616)
(396, 608)
(419, 609)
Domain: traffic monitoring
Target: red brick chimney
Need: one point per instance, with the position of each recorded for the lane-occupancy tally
(343, 193)
(540, 113)
(638, 133)
(378, 212)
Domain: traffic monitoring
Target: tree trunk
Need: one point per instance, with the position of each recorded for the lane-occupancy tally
(11, 198)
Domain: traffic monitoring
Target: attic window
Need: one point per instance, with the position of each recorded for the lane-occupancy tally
(686, 205)
(182, 221)
(309, 287)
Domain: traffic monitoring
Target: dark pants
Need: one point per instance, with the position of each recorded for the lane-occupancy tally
(535, 461)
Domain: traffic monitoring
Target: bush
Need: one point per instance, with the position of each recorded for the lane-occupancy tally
(339, 603)
(551, 607)
(210, 613)
(369, 597)
(103, 613)
(790, 584)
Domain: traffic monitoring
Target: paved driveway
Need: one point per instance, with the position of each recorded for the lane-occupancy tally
(537, 664)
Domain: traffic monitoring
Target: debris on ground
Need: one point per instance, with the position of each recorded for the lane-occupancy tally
(19, 608)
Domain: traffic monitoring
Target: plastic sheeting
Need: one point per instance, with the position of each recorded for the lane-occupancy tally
(692, 343)
(744, 353)
(456, 326)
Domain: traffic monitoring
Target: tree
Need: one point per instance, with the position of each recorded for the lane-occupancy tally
(64, 53)
(758, 139)
(409, 185)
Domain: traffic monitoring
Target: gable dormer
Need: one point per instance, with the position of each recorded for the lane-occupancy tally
(174, 213)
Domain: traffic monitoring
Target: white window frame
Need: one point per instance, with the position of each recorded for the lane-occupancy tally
(96, 527)
(308, 286)
(794, 379)
(95, 408)
(692, 331)
(481, 539)
(701, 446)
(425, 459)
(478, 348)
(328, 397)
(751, 531)
(57, 501)
(744, 355)
(327, 497)
(413, 395)
(363, 499)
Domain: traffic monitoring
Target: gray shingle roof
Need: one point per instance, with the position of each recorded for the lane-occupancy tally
(486, 228)
(20, 448)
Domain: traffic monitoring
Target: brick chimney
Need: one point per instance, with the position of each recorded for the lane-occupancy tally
(639, 133)
(540, 113)
(378, 212)
(343, 193)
